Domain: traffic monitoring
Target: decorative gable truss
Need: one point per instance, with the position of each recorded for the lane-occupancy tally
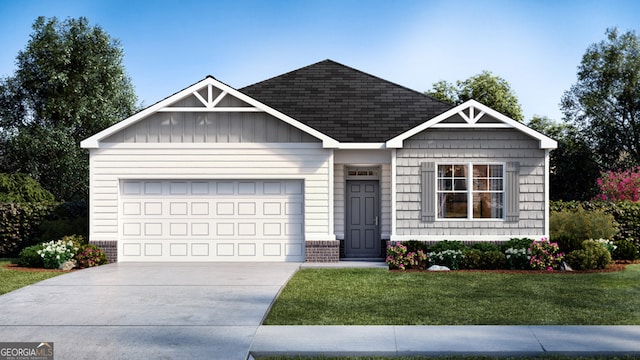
(472, 115)
(207, 96)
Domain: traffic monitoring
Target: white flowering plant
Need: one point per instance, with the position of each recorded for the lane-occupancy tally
(54, 253)
(608, 244)
(448, 258)
(518, 258)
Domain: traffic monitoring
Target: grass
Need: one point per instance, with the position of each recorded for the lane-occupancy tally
(14, 279)
(380, 297)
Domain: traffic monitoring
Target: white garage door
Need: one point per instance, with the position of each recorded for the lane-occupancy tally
(211, 220)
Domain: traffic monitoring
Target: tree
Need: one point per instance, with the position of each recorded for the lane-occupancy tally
(486, 88)
(604, 103)
(573, 168)
(69, 84)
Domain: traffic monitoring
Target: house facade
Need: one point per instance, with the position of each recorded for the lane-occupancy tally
(321, 163)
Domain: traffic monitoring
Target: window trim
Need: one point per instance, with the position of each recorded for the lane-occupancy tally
(470, 192)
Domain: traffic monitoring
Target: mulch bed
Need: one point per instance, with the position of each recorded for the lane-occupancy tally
(618, 266)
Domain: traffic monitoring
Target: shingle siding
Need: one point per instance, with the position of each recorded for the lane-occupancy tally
(470, 145)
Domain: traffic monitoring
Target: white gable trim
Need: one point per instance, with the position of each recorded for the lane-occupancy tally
(476, 111)
(209, 104)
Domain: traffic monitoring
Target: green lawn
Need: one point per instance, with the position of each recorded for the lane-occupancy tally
(13, 279)
(380, 297)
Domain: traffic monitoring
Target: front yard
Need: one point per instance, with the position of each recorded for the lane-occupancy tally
(380, 297)
(14, 279)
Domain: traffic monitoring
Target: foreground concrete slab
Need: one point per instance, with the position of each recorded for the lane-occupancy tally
(581, 340)
(147, 310)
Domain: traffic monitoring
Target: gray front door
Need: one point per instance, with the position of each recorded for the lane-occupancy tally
(362, 238)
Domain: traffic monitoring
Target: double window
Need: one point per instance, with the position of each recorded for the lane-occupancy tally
(470, 191)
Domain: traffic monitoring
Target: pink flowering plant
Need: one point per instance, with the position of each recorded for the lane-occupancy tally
(399, 258)
(90, 256)
(620, 185)
(545, 255)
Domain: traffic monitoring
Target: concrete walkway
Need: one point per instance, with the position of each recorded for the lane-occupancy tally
(495, 341)
(146, 311)
(214, 311)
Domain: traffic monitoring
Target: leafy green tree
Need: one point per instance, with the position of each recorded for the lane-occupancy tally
(69, 84)
(573, 167)
(604, 103)
(486, 88)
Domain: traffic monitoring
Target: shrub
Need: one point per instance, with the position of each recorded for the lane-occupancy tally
(399, 258)
(485, 246)
(20, 223)
(545, 255)
(569, 228)
(444, 245)
(492, 260)
(448, 258)
(89, 256)
(29, 257)
(625, 250)
(415, 245)
(620, 186)
(518, 258)
(54, 253)
(517, 243)
(625, 213)
(593, 255)
(472, 259)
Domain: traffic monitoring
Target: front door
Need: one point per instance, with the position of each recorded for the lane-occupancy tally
(362, 238)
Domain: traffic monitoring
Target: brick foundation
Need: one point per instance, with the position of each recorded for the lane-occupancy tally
(109, 247)
(323, 251)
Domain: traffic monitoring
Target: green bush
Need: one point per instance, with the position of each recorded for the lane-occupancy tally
(20, 222)
(29, 257)
(492, 260)
(485, 246)
(20, 188)
(415, 245)
(472, 259)
(592, 256)
(625, 213)
(516, 243)
(399, 258)
(625, 250)
(569, 228)
(55, 253)
(448, 245)
(518, 258)
(89, 256)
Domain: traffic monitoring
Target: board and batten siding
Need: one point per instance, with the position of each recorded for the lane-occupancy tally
(308, 162)
(340, 205)
(211, 127)
(470, 146)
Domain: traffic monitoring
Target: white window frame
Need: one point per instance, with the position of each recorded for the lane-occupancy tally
(470, 191)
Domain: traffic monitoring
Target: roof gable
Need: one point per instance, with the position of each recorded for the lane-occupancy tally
(472, 114)
(207, 95)
(346, 104)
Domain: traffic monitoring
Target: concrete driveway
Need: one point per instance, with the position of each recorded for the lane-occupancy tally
(146, 310)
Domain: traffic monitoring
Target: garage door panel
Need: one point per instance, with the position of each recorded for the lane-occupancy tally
(212, 220)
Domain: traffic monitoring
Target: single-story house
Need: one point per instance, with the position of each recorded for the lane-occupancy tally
(321, 163)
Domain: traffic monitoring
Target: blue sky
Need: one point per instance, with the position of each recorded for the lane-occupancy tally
(535, 45)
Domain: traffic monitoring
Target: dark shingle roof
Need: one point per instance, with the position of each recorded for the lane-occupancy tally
(346, 104)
